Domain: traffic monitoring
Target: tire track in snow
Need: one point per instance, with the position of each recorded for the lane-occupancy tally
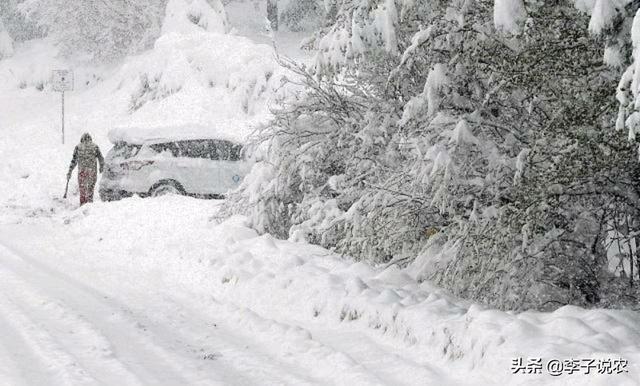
(256, 362)
(11, 369)
(356, 359)
(30, 354)
(65, 328)
(393, 368)
(33, 344)
(131, 347)
(296, 346)
(259, 346)
(160, 330)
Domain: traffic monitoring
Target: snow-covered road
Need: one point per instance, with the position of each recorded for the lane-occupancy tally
(68, 321)
(158, 291)
(58, 330)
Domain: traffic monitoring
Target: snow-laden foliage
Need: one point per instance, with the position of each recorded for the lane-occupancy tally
(102, 30)
(359, 26)
(618, 21)
(19, 28)
(426, 131)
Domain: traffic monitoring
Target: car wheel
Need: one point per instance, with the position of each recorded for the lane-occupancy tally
(107, 195)
(165, 188)
(112, 195)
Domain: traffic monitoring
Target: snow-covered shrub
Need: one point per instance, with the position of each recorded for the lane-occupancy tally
(425, 128)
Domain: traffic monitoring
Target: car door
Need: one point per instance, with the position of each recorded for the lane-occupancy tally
(165, 163)
(197, 166)
(232, 167)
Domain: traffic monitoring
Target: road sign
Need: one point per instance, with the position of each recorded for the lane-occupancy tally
(62, 80)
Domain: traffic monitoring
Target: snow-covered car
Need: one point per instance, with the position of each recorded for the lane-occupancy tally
(178, 164)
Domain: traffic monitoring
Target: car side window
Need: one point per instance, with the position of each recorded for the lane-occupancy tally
(170, 147)
(224, 149)
(197, 149)
(213, 151)
(204, 149)
(227, 150)
(236, 152)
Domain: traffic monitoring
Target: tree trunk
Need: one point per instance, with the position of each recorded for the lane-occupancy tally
(637, 254)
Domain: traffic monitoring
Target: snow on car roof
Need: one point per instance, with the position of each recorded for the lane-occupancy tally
(139, 136)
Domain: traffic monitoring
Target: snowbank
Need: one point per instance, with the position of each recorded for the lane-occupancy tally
(183, 249)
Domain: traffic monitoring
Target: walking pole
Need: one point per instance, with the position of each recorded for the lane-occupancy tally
(63, 117)
(66, 189)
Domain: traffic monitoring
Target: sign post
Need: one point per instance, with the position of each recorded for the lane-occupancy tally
(62, 81)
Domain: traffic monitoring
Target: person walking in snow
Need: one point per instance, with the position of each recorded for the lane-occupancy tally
(85, 156)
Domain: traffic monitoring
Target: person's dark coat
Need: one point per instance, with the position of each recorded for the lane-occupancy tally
(88, 158)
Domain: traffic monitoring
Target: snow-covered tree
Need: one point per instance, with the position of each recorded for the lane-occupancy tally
(19, 28)
(618, 22)
(104, 30)
(460, 127)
